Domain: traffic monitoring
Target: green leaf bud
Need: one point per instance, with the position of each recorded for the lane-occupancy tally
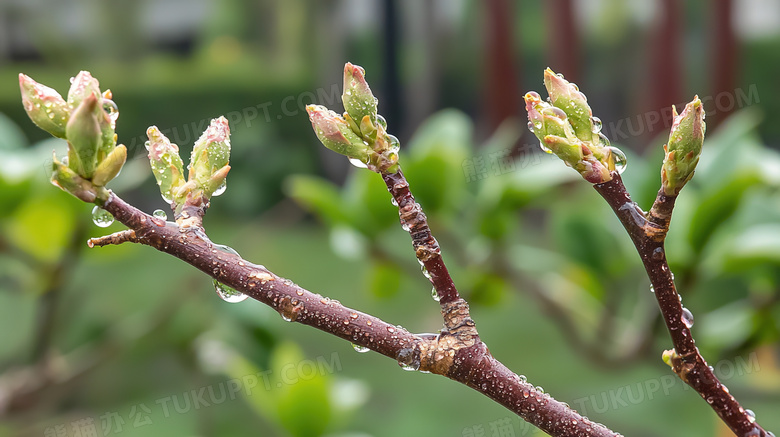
(684, 147)
(45, 107)
(109, 168)
(166, 164)
(357, 97)
(84, 136)
(210, 156)
(567, 96)
(335, 134)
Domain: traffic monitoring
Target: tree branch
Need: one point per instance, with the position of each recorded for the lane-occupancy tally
(461, 358)
(648, 233)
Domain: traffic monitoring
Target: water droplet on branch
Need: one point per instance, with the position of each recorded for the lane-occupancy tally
(160, 214)
(408, 359)
(687, 317)
(359, 348)
(228, 294)
(101, 217)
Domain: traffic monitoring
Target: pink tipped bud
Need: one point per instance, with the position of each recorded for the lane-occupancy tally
(45, 107)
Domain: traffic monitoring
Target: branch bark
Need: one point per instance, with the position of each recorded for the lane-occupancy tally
(462, 358)
(648, 233)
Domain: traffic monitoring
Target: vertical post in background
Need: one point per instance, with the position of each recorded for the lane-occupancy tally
(501, 78)
(391, 85)
(666, 67)
(562, 38)
(724, 52)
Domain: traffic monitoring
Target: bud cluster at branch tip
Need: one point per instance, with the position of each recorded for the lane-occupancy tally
(360, 133)
(87, 120)
(684, 147)
(208, 167)
(566, 127)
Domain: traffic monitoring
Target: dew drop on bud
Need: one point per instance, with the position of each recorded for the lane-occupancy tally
(166, 197)
(619, 159)
(395, 144)
(228, 294)
(751, 415)
(603, 140)
(111, 109)
(220, 189)
(101, 217)
(359, 348)
(357, 163)
(381, 121)
(435, 295)
(558, 112)
(531, 126)
(687, 318)
(160, 214)
(595, 125)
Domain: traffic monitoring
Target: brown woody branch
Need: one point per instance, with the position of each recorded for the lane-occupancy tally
(648, 233)
(456, 353)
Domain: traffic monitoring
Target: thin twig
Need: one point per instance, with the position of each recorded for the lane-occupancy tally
(648, 232)
(126, 236)
(461, 358)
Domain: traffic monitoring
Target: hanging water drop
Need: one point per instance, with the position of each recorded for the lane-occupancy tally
(220, 189)
(395, 144)
(618, 159)
(393, 201)
(101, 217)
(166, 196)
(544, 148)
(160, 214)
(228, 294)
(687, 318)
(408, 359)
(358, 163)
(381, 121)
(531, 126)
(425, 272)
(359, 348)
(435, 295)
(111, 109)
(603, 140)
(595, 125)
